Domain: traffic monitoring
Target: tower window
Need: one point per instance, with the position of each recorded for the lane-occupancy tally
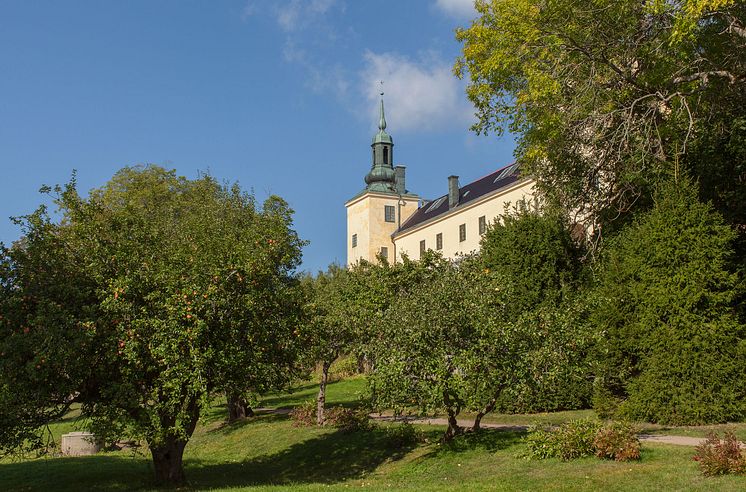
(385, 155)
(390, 213)
(422, 247)
(482, 224)
(384, 252)
(462, 233)
(439, 241)
(354, 240)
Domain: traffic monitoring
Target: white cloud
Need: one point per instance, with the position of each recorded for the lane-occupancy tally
(297, 14)
(463, 9)
(420, 95)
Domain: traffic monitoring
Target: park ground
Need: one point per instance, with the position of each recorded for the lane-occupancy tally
(268, 453)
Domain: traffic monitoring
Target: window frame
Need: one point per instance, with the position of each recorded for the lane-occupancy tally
(387, 216)
(354, 240)
(462, 233)
(439, 241)
(482, 224)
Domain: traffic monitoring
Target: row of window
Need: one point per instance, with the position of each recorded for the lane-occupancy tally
(391, 215)
(461, 235)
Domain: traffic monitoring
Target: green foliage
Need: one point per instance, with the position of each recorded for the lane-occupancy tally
(579, 438)
(148, 296)
(609, 97)
(304, 415)
(573, 439)
(404, 435)
(617, 441)
(349, 419)
(674, 350)
(425, 347)
(536, 312)
(721, 457)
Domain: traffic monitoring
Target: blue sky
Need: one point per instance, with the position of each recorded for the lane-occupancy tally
(279, 95)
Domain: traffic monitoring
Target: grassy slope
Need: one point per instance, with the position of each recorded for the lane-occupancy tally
(268, 453)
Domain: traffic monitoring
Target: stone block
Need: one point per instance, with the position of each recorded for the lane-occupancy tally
(80, 444)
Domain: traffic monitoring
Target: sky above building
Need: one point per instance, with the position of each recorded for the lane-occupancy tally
(278, 95)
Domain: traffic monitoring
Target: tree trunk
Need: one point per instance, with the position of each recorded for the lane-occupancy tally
(321, 400)
(478, 419)
(453, 427)
(236, 407)
(167, 461)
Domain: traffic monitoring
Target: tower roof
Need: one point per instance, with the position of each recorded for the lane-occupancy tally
(382, 136)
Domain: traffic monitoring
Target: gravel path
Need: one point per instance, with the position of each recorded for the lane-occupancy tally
(656, 438)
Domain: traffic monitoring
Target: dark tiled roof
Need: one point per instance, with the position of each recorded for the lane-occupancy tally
(494, 181)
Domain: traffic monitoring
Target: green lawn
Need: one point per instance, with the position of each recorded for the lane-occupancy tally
(268, 453)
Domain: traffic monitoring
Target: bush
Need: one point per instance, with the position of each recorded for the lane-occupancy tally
(617, 441)
(349, 419)
(673, 350)
(570, 440)
(579, 438)
(403, 435)
(304, 415)
(718, 457)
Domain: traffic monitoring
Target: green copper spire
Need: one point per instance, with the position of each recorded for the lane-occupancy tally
(382, 119)
(381, 177)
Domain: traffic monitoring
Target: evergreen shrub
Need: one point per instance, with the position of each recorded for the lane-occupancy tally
(673, 349)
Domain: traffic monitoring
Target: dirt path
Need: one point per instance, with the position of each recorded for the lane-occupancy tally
(655, 438)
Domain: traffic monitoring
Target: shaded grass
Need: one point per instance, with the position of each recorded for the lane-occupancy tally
(268, 453)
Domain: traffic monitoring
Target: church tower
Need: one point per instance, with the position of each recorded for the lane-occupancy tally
(375, 213)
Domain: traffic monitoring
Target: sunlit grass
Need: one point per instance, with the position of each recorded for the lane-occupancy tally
(268, 453)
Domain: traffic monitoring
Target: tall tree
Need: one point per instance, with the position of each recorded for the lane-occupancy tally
(672, 349)
(148, 296)
(609, 97)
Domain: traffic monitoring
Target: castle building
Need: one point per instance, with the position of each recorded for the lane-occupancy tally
(386, 220)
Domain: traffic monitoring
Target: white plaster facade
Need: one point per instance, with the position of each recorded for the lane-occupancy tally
(366, 220)
(489, 206)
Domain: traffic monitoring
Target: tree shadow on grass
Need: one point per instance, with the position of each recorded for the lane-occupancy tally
(263, 418)
(330, 458)
(490, 440)
(100, 472)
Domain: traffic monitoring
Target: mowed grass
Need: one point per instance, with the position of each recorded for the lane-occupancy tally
(268, 453)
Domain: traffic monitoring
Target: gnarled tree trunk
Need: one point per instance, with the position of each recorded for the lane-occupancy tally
(237, 407)
(168, 455)
(168, 462)
(478, 419)
(453, 428)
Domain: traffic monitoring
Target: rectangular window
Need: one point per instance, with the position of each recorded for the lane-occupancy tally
(439, 241)
(422, 246)
(354, 240)
(462, 233)
(390, 213)
(384, 252)
(482, 224)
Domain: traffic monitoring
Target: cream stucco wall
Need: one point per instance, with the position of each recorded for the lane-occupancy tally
(489, 206)
(366, 218)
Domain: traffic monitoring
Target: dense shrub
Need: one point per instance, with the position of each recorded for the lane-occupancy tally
(304, 415)
(349, 419)
(718, 457)
(579, 438)
(403, 435)
(570, 440)
(617, 441)
(674, 351)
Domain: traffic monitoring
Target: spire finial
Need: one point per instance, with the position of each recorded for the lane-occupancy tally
(382, 119)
